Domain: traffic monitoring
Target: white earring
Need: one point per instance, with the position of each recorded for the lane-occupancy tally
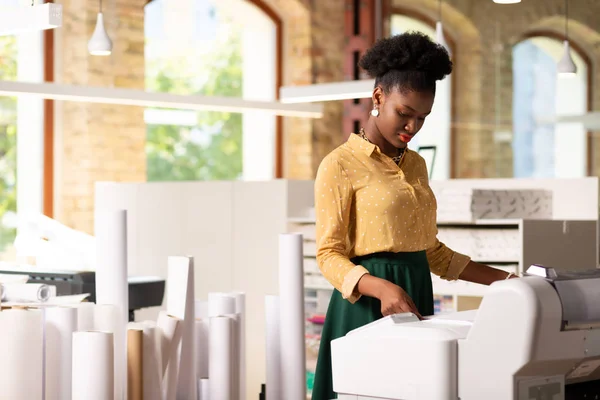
(375, 112)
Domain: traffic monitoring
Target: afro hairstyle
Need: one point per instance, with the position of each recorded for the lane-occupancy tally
(409, 62)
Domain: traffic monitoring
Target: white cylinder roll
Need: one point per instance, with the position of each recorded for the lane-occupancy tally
(22, 341)
(202, 333)
(291, 317)
(60, 324)
(240, 309)
(27, 292)
(272, 346)
(151, 364)
(112, 287)
(220, 304)
(107, 318)
(203, 389)
(235, 355)
(85, 316)
(93, 366)
(220, 359)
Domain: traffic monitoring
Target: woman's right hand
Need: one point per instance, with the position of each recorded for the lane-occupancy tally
(393, 298)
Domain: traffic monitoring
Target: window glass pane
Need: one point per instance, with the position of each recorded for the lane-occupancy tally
(542, 147)
(198, 47)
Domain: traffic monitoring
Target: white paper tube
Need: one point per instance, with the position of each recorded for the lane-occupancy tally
(22, 340)
(220, 304)
(201, 309)
(85, 316)
(180, 303)
(235, 355)
(107, 318)
(272, 346)
(220, 359)
(240, 309)
(60, 324)
(202, 334)
(291, 317)
(28, 292)
(93, 366)
(111, 281)
(203, 389)
(170, 329)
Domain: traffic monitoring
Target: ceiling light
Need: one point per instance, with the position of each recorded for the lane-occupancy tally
(566, 66)
(100, 44)
(346, 90)
(141, 98)
(507, 1)
(20, 19)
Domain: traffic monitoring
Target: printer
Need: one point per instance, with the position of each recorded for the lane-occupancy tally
(144, 291)
(534, 338)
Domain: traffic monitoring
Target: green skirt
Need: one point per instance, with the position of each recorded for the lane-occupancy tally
(410, 271)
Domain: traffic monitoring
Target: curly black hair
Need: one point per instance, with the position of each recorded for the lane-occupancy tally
(407, 62)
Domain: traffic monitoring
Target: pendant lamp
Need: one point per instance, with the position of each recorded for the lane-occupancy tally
(566, 66)
(100, 44)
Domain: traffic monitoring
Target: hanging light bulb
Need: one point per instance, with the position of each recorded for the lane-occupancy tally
(439, 30)
(507, 1)
(566, 66)
(100, 44)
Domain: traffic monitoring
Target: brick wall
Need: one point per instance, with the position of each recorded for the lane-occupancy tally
(97, 142)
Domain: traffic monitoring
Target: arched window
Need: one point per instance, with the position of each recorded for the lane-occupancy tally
(436, 131)
(21, 136)
(540, 147)
(213, 48)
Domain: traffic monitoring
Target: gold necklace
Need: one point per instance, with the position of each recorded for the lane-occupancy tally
(396, 159)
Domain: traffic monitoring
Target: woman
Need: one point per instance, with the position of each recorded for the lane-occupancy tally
(376, 214)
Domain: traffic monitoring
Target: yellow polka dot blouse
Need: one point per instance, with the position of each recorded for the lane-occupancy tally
(365, 203)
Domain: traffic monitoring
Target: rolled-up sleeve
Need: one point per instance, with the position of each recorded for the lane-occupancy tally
(446, 263)
(333, 200)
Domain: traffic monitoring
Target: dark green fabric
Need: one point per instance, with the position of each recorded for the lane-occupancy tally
(410, 271)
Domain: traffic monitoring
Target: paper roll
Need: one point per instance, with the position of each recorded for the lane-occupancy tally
(236, 389)
(170, 338)
(240, 309)
(60, 323)
(220, 304)
(111, 281)
(85, 316)
(107, 318)
(152, 364)
(135, 362)
(272, 346)
(202, 350)
(22, 340)
(203, 389)
(291, 317)
(180, 303)
(220, 359)
(27, 292)
(93, 366)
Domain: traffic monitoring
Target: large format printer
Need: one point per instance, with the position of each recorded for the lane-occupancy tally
(534, 338)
